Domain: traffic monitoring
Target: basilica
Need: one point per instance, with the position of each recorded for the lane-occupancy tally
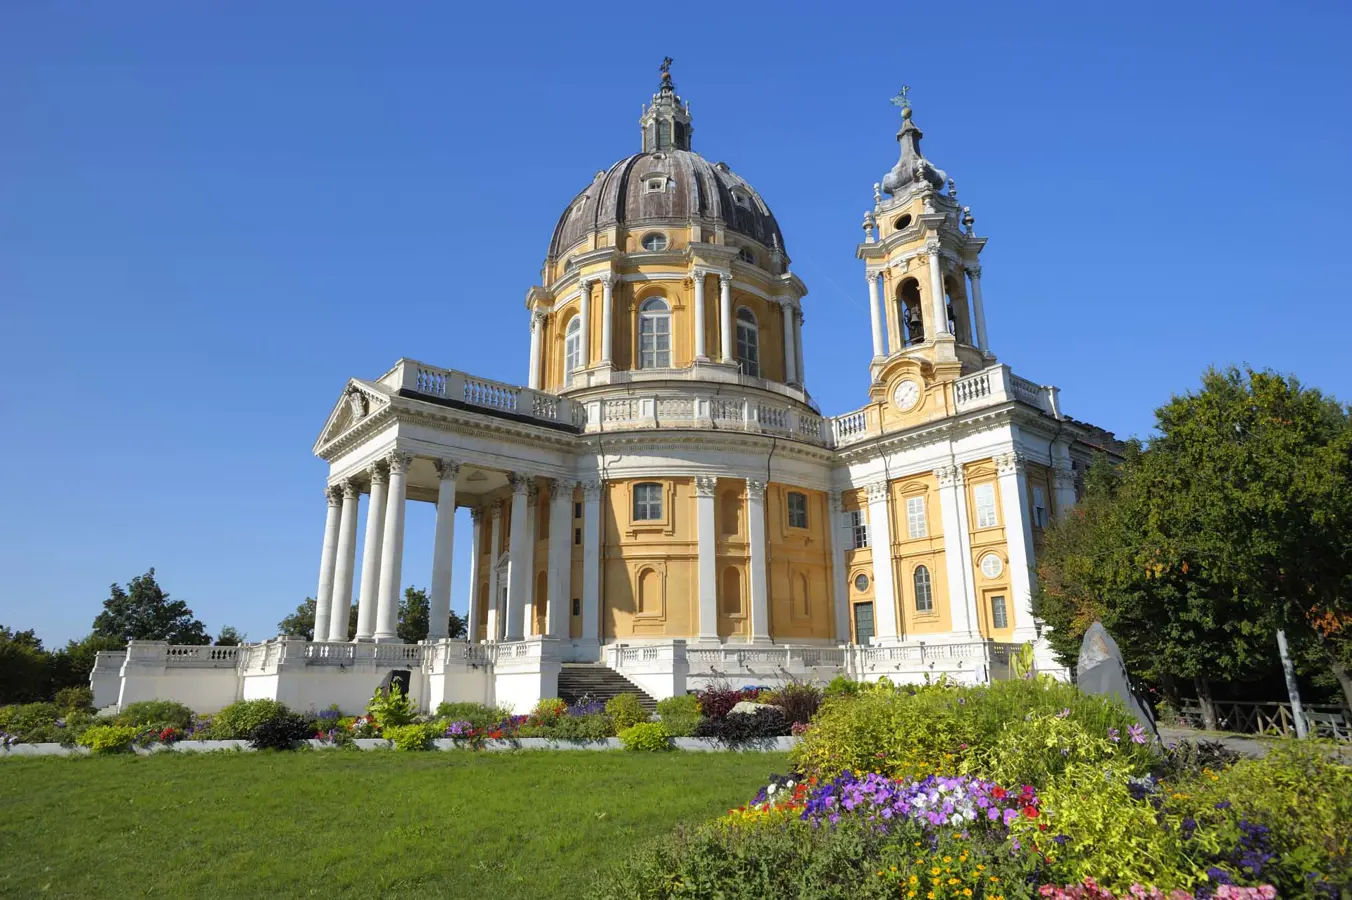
(662, 498)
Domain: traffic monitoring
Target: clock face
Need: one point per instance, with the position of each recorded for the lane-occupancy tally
(906, 396)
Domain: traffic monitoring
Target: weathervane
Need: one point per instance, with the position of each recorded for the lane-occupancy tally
(665, 68)
(901, 100)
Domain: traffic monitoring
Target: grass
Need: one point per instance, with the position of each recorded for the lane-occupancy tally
(349, 824)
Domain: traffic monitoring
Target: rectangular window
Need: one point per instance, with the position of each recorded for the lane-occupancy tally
(915, 517)
(985, 505)
(577, 607)
(577, 536)
(999, 617)
(858, 529)
(797, 510)
(1039, 508)
(577, 510)
(647, 502)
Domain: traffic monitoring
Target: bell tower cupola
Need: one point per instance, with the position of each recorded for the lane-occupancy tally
(924, 279)
(666, 122)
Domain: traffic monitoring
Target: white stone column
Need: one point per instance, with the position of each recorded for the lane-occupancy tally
(840, 587)
(528, 558)
(328, 557)
(760, 598)
(472, 634)
(875, 317)
(518, 579)
(392, 550)
(978, 310)
(880, 542)
(495, 613)
(958, 552)
(1063, 477)
(727, 337)
(537, 327)
(701, 350)
(345, 566)
(939, 304)
(591, 560)
(706, 488)
(443, 551)
(607, 316)
(584, 311)
(1019, 540)
(560, 577)
(798, 344)
(790, 354)
(370, 555)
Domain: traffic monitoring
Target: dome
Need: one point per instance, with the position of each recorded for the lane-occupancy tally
(665, 187)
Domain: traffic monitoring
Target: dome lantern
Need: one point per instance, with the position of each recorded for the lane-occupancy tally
(666, 122)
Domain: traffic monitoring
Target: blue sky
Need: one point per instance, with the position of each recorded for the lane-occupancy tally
(212, 215)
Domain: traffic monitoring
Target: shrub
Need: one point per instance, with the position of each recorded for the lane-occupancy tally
(594, 727)
(799, 702)
(414, 737)
(476, 714)
(646, 737)
(548, 709)
(238, 720)
(737, 729)
(1188, 759)
(626, 711)
(680, 714)
(73, 698)
(1037, 750)
(717, 700)
(156, 712)
(280, 732)
(109, 738)
(390, 707)
(842, 686)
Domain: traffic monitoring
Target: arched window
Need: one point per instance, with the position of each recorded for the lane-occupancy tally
(654, 334)
(745, 255)
(748, 342)
(572, 348)
(655, 241)
(647, 501)
(663, 135)
(908, 310)
(924, 596)
(648, 589)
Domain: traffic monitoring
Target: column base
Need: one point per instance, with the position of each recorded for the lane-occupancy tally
(387, 639)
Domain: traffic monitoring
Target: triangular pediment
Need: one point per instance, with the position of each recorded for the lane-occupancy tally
(359, 401)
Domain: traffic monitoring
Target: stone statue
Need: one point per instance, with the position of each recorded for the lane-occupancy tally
(1100, 670)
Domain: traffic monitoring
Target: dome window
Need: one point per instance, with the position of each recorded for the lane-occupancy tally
(657, 184)
(748, 342)
(901, 222)
(654, 241)
(745, 255)
(741, 199)
(572, 349)
(654, 334)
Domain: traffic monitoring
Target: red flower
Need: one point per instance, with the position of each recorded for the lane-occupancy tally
(1031, 812)
(999, 793)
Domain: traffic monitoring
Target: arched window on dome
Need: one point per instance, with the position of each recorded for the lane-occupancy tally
(654, 334)
(572, 348)
(663, 134)
(924, 594)
(746, 256)
(748, 342)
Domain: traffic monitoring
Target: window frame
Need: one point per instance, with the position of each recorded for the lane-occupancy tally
(654, 237)
(790, 498)
(1039, 505)
(647, 502)
(654, 321)
(572, 347)
(1003, 611)
(857, 526)
(985, 511)
(748, 339)
(916, 528)
(919, 572)
(746, 255)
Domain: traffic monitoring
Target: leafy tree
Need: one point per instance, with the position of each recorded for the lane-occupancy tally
(230, 636)
(25, 674)
(415, 617)
(301, 623)
(143, 611)
(72, 664)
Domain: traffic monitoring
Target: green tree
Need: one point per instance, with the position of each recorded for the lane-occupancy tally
(415, 618)
(301, 623)
(72, 664)
(25, 667)
(230, 636)
(143, 611)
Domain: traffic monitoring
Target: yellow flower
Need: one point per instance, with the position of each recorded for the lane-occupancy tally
(980, 867)
(930, 895)
(952, 881)
(913, 880)
(994, 879)
(967, 892)
(934, 871)
(894, 868)
(948, 859)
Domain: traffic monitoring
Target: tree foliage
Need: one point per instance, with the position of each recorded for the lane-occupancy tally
(415, 617)
(301, 623)
(1229, 526)
(25, 674)
(230, 636)
(143, 611)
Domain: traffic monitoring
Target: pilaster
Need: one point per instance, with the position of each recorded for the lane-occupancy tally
(958, 552)
(1013, 484)
(706, 488)
(760, 600)
(884, 582)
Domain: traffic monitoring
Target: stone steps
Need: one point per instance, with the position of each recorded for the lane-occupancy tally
(598, 682)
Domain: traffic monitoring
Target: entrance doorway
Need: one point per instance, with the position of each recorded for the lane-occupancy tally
(863, 623)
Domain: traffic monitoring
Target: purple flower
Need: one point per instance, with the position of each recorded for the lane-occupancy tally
(1137, 733)
(1063, 713)
(1114, 735)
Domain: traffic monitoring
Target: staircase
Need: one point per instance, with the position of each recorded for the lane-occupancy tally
(598, 682)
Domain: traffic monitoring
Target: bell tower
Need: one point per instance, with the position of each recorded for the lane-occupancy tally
(921, 260)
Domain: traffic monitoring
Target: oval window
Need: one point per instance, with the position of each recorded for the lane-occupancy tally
(861, 582)
(901, 222)
(991, 566)
(654, 241)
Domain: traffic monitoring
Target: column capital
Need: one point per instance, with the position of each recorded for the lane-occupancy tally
(699, 272)
(1010, 463)
(333, 494)
(607, 279)
(871, 277)
(933, 248)
(1063, 475)
(876, 490)
(399, 461)
(724, 280)
(590, 489)
(973, 270)
(447, 469)
(519, 482)
(379, 472)
(837, 499)
(706, 485)
(584, 285)
(755, 489)
(532, 492)
(476, 514)
(537, 318)
(949, 476)
(351, 490)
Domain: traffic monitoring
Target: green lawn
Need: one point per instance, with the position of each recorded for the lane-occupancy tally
(349, 824)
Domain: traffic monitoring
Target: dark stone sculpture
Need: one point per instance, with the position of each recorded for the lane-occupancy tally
(1100, 670)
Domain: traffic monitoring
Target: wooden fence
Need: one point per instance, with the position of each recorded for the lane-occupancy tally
(1249, 717)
